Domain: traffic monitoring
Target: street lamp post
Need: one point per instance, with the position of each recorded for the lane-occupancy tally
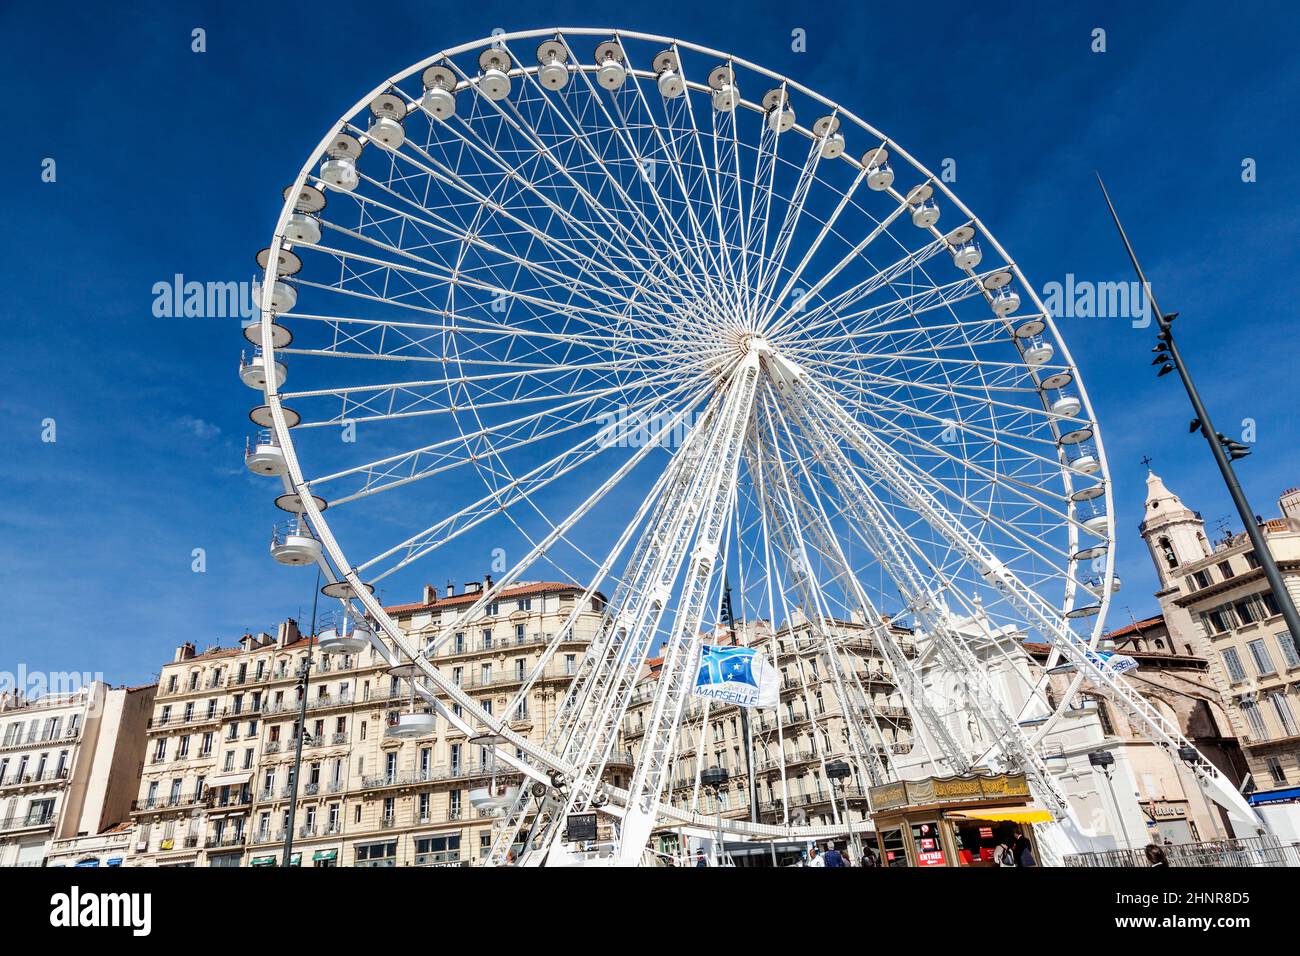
(1225, 450)
(714, 779)
(1104, 761)
(839, 771)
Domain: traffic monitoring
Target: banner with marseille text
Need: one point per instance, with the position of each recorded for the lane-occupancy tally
(736, 675)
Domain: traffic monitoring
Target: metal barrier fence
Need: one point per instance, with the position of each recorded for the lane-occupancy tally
(1253, 851)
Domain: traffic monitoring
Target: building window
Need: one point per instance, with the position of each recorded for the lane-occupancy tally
(1263, 662)
(1282, 707)
(1252, 559)
(1233, 662)
(1219, 620)
(1247, 611)
(1254, 719)
(1270, 604)
(430, 851)
(1275, 770)
(1225, 568)
(1287, 646)
(1202, 578)
(377, 854)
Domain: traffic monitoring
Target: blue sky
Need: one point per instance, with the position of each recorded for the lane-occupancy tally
(169, 161)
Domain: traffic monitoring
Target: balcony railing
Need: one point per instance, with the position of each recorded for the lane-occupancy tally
(225, 840)
(163, 803)
(21, 821)
(408, 778)
(29, 779)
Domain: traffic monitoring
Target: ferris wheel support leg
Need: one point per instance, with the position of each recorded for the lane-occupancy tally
(1037, 613)
(889, 545)
(778, 502)
(679, 654)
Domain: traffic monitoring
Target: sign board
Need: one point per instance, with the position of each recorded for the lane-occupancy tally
(580, 826)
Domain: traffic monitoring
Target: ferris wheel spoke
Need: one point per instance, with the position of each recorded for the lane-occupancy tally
(796, 274)
(595, 288)
(533, 381)
(513, 492)
(705, 257)
(701, 278)
(1031, 511)
(789, 222)
(760, 207)
(446, 276)
(431, 460)
(833, 311)
(467, 137)
(684, 110)
(604, 215)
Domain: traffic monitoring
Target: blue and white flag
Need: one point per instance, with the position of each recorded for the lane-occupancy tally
(1115, 663)
(1105, 660)
(737, 675)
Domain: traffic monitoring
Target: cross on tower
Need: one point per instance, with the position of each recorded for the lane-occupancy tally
(1146, 460)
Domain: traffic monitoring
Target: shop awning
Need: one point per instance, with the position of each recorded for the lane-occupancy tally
(262, 861)
(1002, 814)
(113, 861)
(325, 855)
(229, 780)
(87, 863)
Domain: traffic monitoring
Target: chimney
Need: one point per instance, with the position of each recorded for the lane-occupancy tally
(473, 587)
(1290, 504)
(185, 652)
(430, 594)
(451, 588)
(287, 633)
(487, 580)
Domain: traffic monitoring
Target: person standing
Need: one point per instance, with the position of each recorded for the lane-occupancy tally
(1003, 855)
(869, 857)
(700, 860)
(815, 858)
(833, 856)
(1023, 850)
(1156, 856)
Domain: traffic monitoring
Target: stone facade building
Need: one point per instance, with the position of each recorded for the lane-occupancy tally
(218, 778)
(1215, 600)
(68, 766)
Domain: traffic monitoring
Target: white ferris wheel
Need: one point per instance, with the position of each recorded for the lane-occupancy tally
(657, 321)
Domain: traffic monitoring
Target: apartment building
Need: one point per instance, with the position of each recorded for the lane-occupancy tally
(68, 766)
(1215, 598)
(791, 744)
(218, 779)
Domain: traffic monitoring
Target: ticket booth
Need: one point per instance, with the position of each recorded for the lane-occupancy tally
(952, 821)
